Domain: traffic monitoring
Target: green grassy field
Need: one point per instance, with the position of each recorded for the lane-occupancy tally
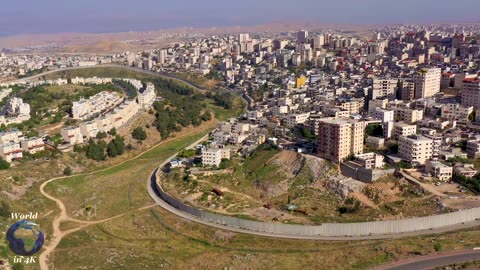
(155, 239)
(121, 188)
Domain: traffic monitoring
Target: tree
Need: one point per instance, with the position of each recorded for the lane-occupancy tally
(96, 151)
(4, 164)
(116, 147)
(67, 171)
(206, 116)
(101, 135)
(113, 132)
(139, 134)
(374, 130)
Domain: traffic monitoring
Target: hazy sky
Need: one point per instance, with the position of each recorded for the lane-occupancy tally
(48, 16)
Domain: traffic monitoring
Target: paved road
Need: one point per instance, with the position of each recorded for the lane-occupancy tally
(161, 74)
(432, 261)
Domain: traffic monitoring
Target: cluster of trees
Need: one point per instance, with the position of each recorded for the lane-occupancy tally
(127, 87)
(223, 99)
(471, 183)
(173, 114)
(375, 130)
(164, 86)
(100, 150)
(116, 147)
(187, 153)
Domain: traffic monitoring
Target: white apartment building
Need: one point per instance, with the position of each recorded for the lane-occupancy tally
(104, 123)
(427, 82)
(11, 151)
(401, 129)
(32, 145)
(293, 120)
(370, 160)
(456, 112)
(439, 170)
(89, 129)
(384, 115)
(87, 108)
(92, 80)
(123, 113)
(147, 97)
(471, 93)
(16, 107)
(340, 138)
(212, 157)
(10, 136)
(72, 135)
(415, 149)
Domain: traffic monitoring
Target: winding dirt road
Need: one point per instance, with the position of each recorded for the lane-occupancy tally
(58, 234)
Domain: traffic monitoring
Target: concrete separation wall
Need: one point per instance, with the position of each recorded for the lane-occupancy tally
(328, 229)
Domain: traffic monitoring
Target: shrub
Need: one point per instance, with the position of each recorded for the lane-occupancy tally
(67, 171)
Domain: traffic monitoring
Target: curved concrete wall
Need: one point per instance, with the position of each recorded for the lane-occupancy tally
(330, 229)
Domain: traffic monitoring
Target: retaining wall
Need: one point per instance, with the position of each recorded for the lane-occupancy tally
(329, 229)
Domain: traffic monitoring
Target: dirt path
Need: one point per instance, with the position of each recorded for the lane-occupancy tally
(58, 234)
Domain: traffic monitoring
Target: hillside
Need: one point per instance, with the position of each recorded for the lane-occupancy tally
(288, 187)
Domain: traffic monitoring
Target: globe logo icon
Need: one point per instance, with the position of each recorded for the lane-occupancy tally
(25, 238)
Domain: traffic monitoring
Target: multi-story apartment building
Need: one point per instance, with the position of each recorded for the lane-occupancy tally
(351, 105)
(32, 145)
(427, 82)
(147, 97)
(370, 160)
(101, 102)
(384, 115)
(401, 129)
(473, 149)
(10, 151)
(293, 120)
(378, 103)
(123, 113)
(439, 170)
(104, 123)
(89, 129)
(457, 112)
(471, 93)
(383, 88)
(72, 135)
(408, 115)
(415, 149)
(340, 138)
(407, 90)
(212, 157)
(16, 107)
(10, 136)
